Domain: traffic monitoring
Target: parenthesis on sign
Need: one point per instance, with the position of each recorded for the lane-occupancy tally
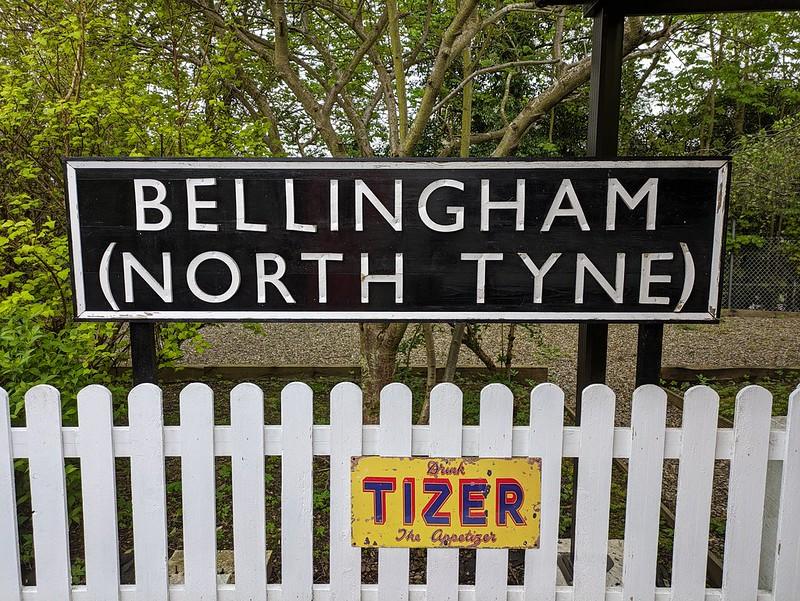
(688, 278)
(105, 284)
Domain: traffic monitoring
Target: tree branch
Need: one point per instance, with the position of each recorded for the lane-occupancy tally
(487, 136)
(572, 78)
(436, 77)
(320, 117)
(348, 73)
(484, 71)
(397, 66)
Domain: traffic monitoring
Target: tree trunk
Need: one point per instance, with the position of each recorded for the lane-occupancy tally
(430, 354)
(379, 342)
(507, 359)
(707, 129)
(453, 352)
(473, 343)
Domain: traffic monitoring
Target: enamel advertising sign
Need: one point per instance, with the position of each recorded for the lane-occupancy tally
(441, 503)
(397, 240)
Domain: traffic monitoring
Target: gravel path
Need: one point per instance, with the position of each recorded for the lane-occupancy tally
(735, 342)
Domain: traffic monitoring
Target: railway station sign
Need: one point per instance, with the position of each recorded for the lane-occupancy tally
(392, 240)
(442, 503)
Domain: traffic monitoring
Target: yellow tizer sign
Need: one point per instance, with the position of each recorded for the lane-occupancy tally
(462, 502)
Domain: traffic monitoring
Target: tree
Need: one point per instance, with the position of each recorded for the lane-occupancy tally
(766, 186)
(368, 80)
(73, 82)
(403, 78)
(722, 78)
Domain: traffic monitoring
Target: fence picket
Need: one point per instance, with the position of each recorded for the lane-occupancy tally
(247, 476)
(786, 583)
(445, 424)
(246, 441)
(297, 488)
(594, 493)
(643, 501)
(10, 576)
(345, 559)
(98, 485)
(695, 485)
(148, 495)
(48, 492)
(395, 441)
(546, 439)
(748, 472)
(496, 420)
(198, 492)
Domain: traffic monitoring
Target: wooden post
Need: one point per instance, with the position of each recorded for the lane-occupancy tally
(143, 352)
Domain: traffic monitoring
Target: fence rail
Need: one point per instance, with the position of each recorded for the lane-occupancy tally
(749, 445)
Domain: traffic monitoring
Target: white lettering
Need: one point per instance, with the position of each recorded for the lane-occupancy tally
(648, 278)
(192, 204)
(334, 205)
(395, 220)
(518, 205)
(565, 191)
(614, 292)
(291, 224)
(322, 270)
(481, 258)
(538, 273)
(396, 278)
(233, 268)
(458, 212)
(273, 278)
(650, 189)
(241, 223)
(131, 264)
(156, 203)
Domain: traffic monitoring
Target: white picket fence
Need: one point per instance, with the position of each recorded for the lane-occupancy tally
(197, 441)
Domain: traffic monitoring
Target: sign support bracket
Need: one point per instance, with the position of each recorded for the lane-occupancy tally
(143, 352)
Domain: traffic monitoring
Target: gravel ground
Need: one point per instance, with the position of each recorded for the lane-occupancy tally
(735, 342)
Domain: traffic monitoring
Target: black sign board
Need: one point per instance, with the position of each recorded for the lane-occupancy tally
(390, 240)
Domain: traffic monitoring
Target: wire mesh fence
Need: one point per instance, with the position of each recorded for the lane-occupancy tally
(764, 277)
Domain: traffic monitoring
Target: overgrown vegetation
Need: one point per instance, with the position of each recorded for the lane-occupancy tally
(240, 78)
(781, 386)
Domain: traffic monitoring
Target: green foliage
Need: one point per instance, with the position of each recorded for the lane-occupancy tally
(73, 81)
(723, 77)
(766, 184)
(39, 342)
(413, 339)
(780, 386)
(718, 526)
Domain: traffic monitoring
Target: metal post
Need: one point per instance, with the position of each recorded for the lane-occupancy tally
(143, 352)
(604, 102)
(648, 353)
(730, 267)
(603, 142)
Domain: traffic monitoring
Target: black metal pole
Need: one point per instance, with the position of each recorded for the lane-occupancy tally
(143, 352)
(604, 104)
(604, 107)
(648, 353)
